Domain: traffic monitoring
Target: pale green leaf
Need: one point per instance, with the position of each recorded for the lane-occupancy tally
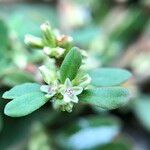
(109, 76)
(142, 110)
(25, 104)
(105, 127)
(106, 98)
(70, 65)
(20, 90)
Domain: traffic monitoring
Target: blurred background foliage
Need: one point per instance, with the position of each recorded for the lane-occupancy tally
(116, 33)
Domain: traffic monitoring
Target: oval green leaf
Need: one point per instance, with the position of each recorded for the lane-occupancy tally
(106, 98)
(20, 90)
(70, 65)
(109, 76)
(25, 104)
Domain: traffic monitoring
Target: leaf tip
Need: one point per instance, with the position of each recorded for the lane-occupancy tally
(7, 110)
(5, 95)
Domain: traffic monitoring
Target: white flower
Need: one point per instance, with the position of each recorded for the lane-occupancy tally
(50, 90)
(69, 92)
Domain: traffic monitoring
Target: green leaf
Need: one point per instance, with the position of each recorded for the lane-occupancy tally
(25, 104)
(70, 65)
(109, 76)
(73, 136)
(106, 98)
(20, 90)
(142, 111)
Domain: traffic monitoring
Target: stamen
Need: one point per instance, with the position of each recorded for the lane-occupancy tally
(69, 92)
(51, 90)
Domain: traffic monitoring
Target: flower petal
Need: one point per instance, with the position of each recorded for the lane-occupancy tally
(66, 98)
(49, 95)
(75, 99)
(50, 90)
(45, 88)
(62, 90)
(68, 83)
(77, 90)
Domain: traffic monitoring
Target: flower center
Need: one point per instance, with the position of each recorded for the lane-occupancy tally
(69, 92)
(51, 90)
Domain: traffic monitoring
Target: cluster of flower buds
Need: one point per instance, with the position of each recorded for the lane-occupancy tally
(63, 96)
(53, 44)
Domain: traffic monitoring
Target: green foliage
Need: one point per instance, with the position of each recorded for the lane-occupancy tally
(73, 136)
(22, 126)
(48, 35)
(22, 89)
(62, 87)
(142, 110)
(107, 98)
(135, 21)
(96, 6)
(109, 76)
(25, 104)
(70, 65)
(92, 25)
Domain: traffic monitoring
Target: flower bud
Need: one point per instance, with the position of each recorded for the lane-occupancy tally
(64, 41)
(45, 27)
(85, 81)
(33, 41)
(58, 104)
(54, 52)
(47, 74)
(48, 35)
(68, 107)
